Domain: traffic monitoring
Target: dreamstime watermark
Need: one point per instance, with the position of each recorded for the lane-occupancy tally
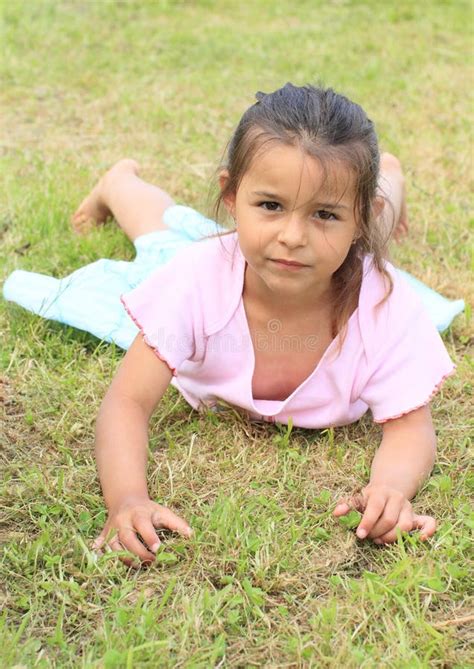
(270, 340)
(273, 341)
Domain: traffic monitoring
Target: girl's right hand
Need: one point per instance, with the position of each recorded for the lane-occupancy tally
(138, 516)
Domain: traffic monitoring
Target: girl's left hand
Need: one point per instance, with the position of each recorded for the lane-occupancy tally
(384, 509)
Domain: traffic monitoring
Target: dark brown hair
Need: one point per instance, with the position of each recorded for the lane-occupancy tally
(328, 127)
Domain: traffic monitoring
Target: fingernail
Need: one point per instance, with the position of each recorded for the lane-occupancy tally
(361, 533)
(378, 541)
(189, 532)
(154, 548)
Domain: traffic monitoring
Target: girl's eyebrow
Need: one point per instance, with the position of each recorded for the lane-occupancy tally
(262, 193)
(328, 205)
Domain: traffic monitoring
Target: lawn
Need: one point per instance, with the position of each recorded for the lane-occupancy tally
(270, 578)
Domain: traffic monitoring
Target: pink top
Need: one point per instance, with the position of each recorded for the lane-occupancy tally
(191, 313)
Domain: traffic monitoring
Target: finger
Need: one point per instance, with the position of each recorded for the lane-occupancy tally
(130, 542)
(358, 502)
(115, 546)
(395, 511)
(166, 518)
(145, 528)
(373, 511)
(98, 542)
(341, 508)
(404, 524)
(426, 525)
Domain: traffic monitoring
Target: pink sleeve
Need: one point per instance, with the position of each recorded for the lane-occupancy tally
(411, 361)
(165, 307)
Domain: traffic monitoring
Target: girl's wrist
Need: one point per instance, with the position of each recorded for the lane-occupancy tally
(126, 499)
(393, 485)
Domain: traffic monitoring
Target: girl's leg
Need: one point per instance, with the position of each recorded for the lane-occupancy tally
(394, 217)
(137, 206)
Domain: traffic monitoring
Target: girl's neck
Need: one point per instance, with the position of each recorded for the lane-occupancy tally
(273, 305)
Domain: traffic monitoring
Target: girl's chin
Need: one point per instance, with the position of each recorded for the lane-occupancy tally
(287, 283)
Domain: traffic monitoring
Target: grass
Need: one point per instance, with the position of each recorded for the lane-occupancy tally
(270, 578)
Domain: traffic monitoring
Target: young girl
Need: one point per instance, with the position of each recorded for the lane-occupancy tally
(295, 314)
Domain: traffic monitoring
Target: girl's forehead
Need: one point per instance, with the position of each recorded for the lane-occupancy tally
(286, 167)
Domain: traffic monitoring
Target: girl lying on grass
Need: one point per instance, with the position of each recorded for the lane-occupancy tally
(294, 314)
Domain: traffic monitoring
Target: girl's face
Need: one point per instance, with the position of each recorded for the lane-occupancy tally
(289, 210)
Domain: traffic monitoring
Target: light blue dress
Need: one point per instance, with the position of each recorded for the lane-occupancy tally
(89, 298)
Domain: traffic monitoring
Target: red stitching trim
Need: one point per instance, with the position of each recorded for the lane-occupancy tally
(436, 388)
(147, 341)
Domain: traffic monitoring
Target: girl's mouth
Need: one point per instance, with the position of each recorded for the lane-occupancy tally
(288, 264)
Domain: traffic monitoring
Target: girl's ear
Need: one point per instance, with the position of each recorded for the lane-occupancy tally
(378, 206)
(228, 198)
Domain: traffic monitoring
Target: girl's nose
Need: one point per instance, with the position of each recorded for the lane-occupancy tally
(293, 231)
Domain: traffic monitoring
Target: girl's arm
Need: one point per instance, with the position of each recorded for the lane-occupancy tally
(121, 449)
(403, 461)
(407, 453)
(122, 424)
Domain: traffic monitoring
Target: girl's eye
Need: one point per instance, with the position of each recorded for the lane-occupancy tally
(326, 215)
(269, 206)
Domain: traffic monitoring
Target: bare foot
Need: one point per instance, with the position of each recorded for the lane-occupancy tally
(93, 210)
